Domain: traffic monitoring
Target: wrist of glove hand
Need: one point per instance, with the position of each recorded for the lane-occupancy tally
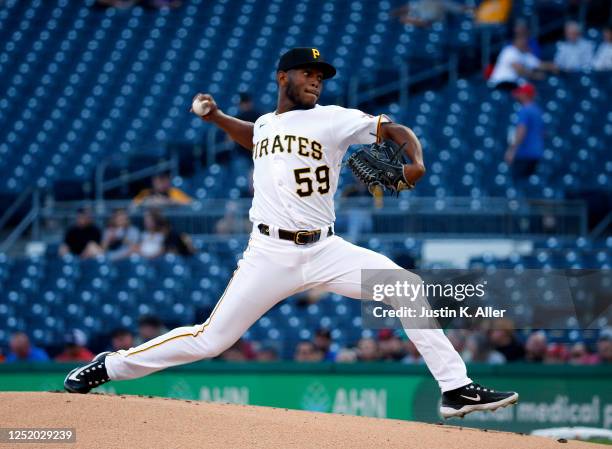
(413, 173)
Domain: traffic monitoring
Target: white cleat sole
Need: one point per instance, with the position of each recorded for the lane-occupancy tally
(448, 412)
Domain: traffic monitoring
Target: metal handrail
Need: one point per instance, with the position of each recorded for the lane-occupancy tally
(391, 205)
(30, 219)
(422, 217)
(102, 185)
(402, 84)
(211, 150)
(15, 206)
(18, 231)
(405, 80)
(212, 147)
(601, 226)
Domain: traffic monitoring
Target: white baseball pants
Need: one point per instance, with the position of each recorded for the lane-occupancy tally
(270, 271)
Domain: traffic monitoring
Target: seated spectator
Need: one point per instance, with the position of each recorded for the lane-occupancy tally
(493, 12)
(233, 354)
(233, 150)
(575, 54)
(246, 109)
(74, 348)
(119, 236)
(527, 148)
(311, 296)
(21, 350)
(83, 238)
(556, 353)
(266, 354)
(233, 222)
(367, 350)
(162, 194)
(121, 339)
(390, 346)
(503, 340)
(604, 346)
(177, 243)
(602, 61)
(240, 351)
(413, 356)
(423, 13)
(516, 64)
(579, 355)
(305, 351)
(521, 28)
(346, 355)
(535, 347)
(151, 244)
(478, 349)
(322, 341)
(149, 327)
(457, 338)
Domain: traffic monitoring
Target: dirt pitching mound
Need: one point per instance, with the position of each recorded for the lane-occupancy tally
(106, 421)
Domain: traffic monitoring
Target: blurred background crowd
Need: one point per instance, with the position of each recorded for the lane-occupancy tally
(496, 346)
(121, 215)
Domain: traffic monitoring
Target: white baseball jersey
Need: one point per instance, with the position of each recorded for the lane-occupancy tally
(298, 156)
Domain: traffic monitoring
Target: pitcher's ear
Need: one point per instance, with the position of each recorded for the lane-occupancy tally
(281, 77)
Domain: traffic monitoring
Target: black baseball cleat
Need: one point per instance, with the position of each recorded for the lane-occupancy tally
(474, 397)
(86, 377)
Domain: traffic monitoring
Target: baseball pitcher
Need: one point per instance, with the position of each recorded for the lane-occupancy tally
(297, 152)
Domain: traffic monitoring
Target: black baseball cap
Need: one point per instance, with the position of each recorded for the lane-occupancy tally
(305, 56)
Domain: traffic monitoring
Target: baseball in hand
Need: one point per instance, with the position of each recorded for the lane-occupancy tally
(201, 107)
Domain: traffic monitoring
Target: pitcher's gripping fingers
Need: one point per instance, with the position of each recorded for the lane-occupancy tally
(214, 109)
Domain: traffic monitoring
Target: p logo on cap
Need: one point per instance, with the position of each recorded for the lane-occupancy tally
(300, 57)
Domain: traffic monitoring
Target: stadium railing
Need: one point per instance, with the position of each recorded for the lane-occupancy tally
(397, 218)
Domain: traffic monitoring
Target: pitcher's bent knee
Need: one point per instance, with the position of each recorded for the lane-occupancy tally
(209, 346)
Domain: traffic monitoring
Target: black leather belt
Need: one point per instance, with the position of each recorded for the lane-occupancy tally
(297, 237)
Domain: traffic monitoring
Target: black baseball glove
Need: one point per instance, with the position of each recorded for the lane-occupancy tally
(380, 164)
